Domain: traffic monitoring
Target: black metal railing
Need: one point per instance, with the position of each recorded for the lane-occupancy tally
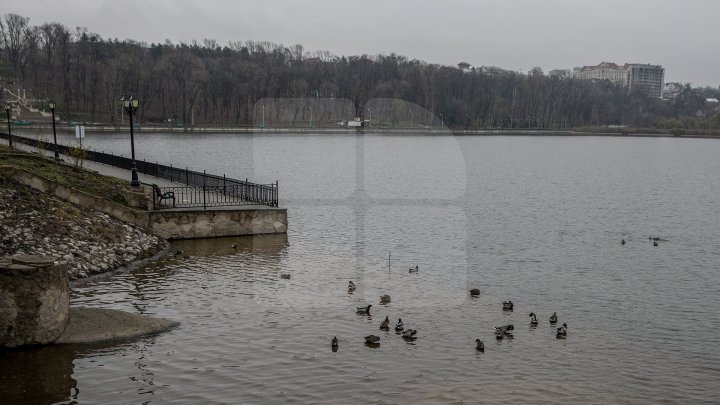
(201, 197)
(242, 192)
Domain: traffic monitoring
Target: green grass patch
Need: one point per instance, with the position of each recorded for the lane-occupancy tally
(98, 185)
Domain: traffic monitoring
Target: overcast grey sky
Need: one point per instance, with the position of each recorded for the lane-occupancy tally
(681, 35)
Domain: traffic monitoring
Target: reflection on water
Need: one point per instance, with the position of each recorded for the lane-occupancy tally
(534, 220)
(37, 375)
(272, 246)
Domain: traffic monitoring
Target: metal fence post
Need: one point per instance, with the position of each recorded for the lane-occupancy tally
(204, 205)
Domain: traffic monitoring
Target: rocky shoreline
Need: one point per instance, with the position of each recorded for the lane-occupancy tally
(90, 241)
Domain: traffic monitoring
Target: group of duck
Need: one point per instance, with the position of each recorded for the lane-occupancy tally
(407, 334)
(653, 239)
(501, 332)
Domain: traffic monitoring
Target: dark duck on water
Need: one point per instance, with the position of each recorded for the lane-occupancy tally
(364, 310)
(553, 318)
(533, 319)
(385, 325)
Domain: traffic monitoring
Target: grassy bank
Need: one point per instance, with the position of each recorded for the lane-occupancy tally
(92, 242)
(83, 180)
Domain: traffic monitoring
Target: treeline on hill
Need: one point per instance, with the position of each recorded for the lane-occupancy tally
(206, 83)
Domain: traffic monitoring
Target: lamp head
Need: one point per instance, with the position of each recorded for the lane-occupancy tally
(51, 104)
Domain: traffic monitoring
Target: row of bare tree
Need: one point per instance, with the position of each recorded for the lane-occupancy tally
(202, 83)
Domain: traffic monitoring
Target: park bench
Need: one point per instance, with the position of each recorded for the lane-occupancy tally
(168, 195)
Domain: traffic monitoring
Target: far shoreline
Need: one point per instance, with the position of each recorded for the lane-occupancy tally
(46, 129)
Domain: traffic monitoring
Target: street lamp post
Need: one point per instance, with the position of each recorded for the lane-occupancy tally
(369, 117)
(442, 121)
(528, 122)
(51, 104)
(7, 112)
(263, 115)
(411, 117)
(310, 116)
(131, 105)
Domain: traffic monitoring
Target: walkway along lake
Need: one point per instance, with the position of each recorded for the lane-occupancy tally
(535, 220)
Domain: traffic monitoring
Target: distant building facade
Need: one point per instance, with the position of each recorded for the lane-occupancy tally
(634, 76)
(672, 89)
(489, 70)
(464, 66)
(645, 78)
(559, 73)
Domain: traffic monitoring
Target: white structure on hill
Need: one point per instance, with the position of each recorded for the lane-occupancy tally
(634, 76)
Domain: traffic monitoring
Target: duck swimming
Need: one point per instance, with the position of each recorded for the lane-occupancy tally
(334, 343)
(385, 325)
(508, 305)
(503, 331)
(622, 241)
(285, 276)
(351, 286)
(500, 334)
(553, 318)
(533, 319)
(399, 325)
(364, 310)
(384, 299)
(655, 243)
(372, 339)
(562, 332)
(479, 345)
(413, 270)
(504, 328)
(475, 292)
(409, 334)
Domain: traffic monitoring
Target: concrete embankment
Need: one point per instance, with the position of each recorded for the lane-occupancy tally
(93, 325)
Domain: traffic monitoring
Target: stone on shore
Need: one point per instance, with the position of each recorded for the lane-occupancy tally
(93, 325)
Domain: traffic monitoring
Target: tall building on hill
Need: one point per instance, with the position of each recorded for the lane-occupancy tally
(634, 76)
(646, 78)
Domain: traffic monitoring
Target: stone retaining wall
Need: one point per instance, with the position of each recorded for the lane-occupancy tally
(184, 224)
(34, 300)
(168, 224)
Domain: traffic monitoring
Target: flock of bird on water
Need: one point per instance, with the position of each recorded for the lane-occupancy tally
(501, 332)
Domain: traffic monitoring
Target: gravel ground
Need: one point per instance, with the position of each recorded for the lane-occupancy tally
(92, 242)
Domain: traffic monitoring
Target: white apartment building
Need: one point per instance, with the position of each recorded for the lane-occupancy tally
(634, 76)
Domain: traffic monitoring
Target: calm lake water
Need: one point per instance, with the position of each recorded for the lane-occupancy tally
(535, 220)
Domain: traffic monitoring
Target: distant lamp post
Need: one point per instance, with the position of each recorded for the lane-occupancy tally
(7, 112)
(411, 117)
(369, 117)
(528, 122)
(130, 104)
(51, 104)
(442, 121)
(263, 115)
